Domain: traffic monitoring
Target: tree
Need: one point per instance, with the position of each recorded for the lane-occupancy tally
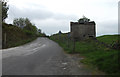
(39, 30)
(84, 19)
(21, 22)
(24, 23)
(30, 30)
(4, 10)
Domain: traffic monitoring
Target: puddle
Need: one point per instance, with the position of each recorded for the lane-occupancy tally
(64, 68)
(64, 63)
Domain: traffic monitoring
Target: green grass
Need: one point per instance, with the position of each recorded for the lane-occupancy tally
(96, 55)
(108, 39)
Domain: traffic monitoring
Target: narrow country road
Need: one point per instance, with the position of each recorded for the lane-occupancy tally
(40, 57)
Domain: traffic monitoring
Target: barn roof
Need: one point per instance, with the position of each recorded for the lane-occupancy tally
(86, 23)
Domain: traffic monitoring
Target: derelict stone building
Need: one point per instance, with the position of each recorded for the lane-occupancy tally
(83, 29)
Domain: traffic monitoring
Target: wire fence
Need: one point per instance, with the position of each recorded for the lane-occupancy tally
(70, 44)
(65, 41)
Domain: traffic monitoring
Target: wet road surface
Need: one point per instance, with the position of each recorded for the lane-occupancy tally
(41, 57)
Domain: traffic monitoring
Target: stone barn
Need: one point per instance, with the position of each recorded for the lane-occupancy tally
(83, 29)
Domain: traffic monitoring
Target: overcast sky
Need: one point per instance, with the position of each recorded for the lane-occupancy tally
(54, 15)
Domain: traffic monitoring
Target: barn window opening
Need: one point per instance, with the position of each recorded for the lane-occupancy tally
(90, 36)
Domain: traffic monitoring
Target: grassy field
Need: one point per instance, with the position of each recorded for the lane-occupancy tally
(96, 55)
(108, 39)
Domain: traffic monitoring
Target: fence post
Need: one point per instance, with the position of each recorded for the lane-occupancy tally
(68, 42)
(5, 40)
(74, 45)
(68, 37)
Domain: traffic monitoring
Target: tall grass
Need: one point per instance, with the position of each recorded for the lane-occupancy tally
(15, 36)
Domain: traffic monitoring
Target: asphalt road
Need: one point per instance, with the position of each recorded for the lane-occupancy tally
(40, 57)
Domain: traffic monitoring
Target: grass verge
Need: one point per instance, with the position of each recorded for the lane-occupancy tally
(96, 55)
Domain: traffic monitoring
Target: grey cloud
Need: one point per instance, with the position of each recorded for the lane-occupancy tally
(65, 17)
(53, 29)
(38, 13)
(107, 28)
(50, 27)
(15, 12)
(61, 20)
(119, 17)
(102, 28)
(41, 17)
